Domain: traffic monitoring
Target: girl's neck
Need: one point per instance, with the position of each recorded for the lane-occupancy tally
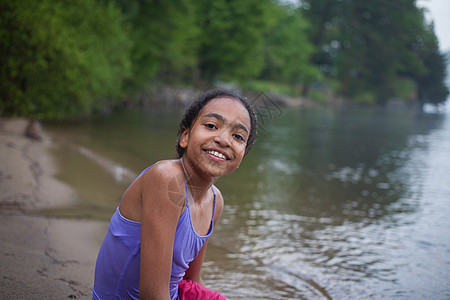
(198, 185)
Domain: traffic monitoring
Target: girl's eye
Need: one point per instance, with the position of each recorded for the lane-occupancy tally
(211, 126)
(238, 137)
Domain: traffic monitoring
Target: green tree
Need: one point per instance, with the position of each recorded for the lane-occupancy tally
(369, 47)
(60, 59)
(287, 49)
(165, 40)
(431, 84)
(231, 38)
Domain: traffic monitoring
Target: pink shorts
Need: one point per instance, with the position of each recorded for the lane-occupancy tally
(191, 290)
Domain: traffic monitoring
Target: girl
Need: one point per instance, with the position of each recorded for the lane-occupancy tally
(156, 241)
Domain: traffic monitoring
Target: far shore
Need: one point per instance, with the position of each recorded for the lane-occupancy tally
(41, 257)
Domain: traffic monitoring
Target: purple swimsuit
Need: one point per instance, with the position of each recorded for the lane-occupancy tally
(118, 264)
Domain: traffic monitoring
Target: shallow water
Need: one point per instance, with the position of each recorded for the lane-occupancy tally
(328, 205)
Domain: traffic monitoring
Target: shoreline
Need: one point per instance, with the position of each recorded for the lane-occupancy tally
(42, 257)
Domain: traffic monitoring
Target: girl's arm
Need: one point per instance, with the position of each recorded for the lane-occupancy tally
(160, 213)
(194, 271)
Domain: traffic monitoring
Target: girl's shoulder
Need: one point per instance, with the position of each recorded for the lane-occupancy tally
(166, 180)
(219, 204)
(164, 169)
(217, 192)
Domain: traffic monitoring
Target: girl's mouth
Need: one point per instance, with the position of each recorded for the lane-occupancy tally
(215, 154)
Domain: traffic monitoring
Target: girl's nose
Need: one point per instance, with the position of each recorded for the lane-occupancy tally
(222, 138)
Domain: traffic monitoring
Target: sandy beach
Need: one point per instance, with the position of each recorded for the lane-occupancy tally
(41, 257)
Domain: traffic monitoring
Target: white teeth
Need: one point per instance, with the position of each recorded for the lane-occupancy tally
(215, 153)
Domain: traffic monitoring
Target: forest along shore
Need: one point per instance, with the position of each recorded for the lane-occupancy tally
(41, 257)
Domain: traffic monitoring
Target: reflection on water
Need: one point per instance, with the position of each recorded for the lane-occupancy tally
(328, 204)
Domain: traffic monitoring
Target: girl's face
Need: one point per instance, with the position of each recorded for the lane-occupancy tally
(215, 144)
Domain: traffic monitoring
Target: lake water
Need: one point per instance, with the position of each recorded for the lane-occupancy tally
(329, 204)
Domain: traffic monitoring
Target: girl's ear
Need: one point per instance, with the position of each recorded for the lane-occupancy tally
(184, 137)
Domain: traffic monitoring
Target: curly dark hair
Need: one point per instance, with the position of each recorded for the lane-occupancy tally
(193, 110)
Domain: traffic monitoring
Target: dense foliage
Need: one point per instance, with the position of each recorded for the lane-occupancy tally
(59, 59)
(64, 59)
(372, 48)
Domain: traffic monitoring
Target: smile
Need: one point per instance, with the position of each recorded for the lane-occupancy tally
(217, 154)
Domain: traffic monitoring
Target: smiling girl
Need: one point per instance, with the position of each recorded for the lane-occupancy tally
(157, 238)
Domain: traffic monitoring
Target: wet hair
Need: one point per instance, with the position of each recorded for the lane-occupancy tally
(193, 110)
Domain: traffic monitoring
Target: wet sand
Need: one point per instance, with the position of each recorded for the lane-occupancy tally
(41, 257)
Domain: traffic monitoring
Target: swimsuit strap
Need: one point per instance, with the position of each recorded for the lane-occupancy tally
(214, 206)
(145, 170)
(187, 191)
